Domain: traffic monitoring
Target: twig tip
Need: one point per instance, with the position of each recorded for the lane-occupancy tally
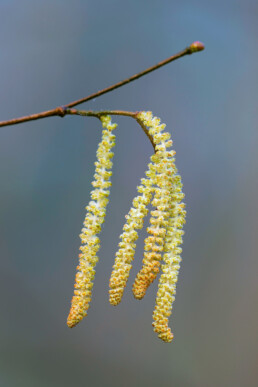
(197, 46)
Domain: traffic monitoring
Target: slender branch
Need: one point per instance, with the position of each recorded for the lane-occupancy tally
(194, 47)
(59, 111)
(62, 110)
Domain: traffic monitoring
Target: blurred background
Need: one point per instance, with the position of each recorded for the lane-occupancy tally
(53, 52)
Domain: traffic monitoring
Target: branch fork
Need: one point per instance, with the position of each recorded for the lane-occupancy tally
(62, 111)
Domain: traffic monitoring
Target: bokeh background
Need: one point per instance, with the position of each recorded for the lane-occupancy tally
(53, 52)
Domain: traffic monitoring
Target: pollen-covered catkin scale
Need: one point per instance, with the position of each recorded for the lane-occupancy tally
(165, 170)
(96, 211)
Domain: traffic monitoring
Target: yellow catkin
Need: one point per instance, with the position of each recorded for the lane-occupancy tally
(125, 254)
(162, 180)
(170, 268)
(95, 216)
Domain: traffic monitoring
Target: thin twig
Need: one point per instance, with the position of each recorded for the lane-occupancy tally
(91, 113)
(62, 110)
(194, 47)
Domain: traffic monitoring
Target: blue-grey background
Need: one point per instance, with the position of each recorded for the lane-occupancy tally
(53, 52)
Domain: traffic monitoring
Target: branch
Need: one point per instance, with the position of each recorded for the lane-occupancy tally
(196, 46)
(61, 111)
